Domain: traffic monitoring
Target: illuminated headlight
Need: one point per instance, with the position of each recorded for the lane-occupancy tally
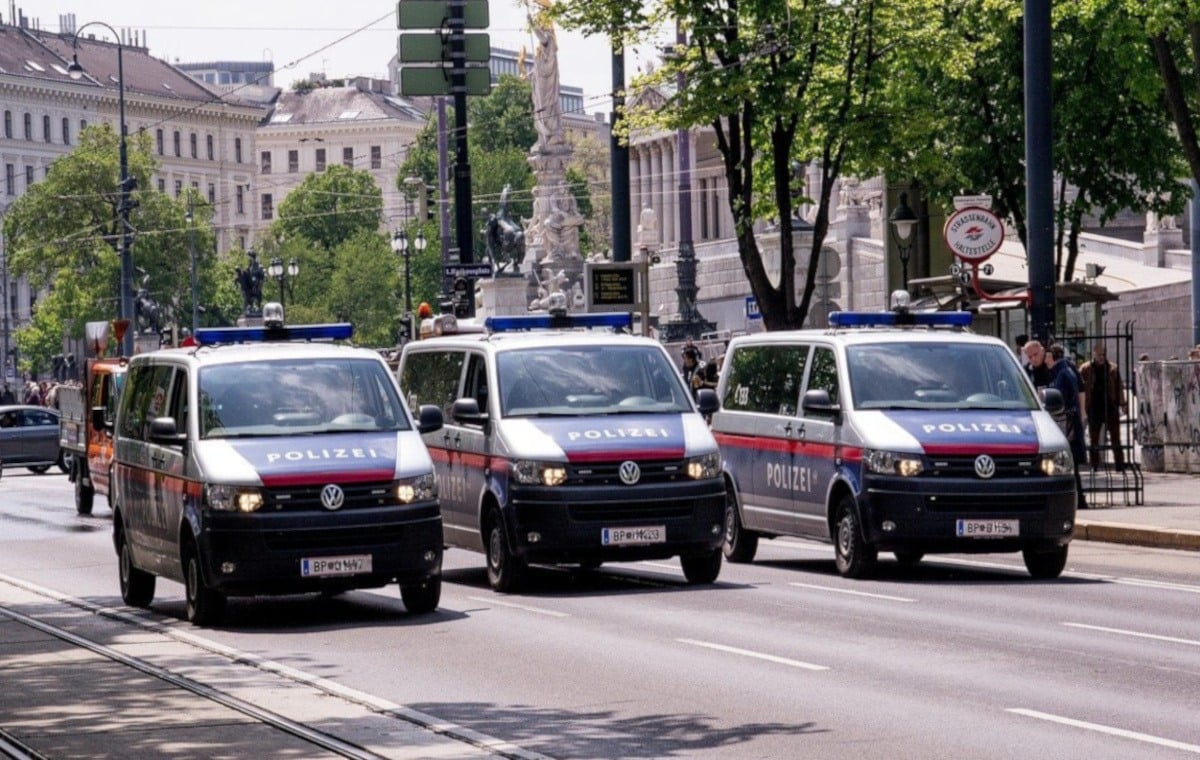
(233, 498)
(892, 463)
(420, 488)
(531, 473)
(1058, 463)
(704, 466)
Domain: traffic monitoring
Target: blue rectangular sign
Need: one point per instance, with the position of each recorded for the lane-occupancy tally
(752, 311)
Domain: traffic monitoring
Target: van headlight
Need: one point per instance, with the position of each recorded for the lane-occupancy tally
(233, 498)
(420, 488)
(704, 466)
(532, 473)
(1058, 463)
(892, 463)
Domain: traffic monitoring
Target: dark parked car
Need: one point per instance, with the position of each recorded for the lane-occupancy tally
(29, 438)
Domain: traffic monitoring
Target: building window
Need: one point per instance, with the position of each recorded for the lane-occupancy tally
(8, 125)
(240, 200)
(266, 162)
(46, 128)
(193, 145)
(178, 148)
(242, 242)
(212, 194)
(348, 157)
(178, 188)
(10, 179)
(158, 141)
(66, 124)
(376, 157)
(29, 180)
(82, 124)
(211, 149)
(268, 207)
(162, 186)
(28, 126)
(237, 150)
(320, 159)
(293, 161)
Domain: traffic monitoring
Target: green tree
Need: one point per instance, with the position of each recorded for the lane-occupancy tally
(1173, 31)
(330, 207)
(364, 289)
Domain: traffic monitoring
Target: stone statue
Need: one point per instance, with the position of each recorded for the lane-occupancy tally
(145, 308)
(547, 109)
(505, 238)
(250, 280)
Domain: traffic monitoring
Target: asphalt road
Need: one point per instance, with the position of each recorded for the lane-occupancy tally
(956, 657)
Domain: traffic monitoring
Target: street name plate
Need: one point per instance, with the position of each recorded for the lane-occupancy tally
(483, 269)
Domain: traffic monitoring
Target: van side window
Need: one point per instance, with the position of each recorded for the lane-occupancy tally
(432, 377)
(824, 374)
(140, 385)
(477, 381)
(766, 379)
(179, 402)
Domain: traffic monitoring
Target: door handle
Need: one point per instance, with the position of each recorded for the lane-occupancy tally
(458, 440)
(787, 429)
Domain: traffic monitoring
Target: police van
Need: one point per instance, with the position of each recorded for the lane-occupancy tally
(270, 460)
(568, 442)
(898, 432)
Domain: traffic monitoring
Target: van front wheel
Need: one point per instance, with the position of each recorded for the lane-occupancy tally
(423, 597)
(204, 605)
(702, 569)
(506, 571)
(854, 556)
(137, 586)
(1046, 565)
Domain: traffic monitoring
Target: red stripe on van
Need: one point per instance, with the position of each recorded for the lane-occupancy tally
(975, 449)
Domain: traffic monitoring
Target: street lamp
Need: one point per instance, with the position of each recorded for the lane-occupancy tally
(400, 247)
(190, 217)
(282, 275)
(127, 182)
(903, 222)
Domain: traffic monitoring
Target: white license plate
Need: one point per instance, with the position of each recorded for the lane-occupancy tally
(648, 534)
(987, 528)
(323, 567)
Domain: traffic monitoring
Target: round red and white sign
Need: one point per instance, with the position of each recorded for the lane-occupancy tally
(973, 233)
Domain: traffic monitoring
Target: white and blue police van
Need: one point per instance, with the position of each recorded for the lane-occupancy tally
(898, 432)
(568, 441)
(272, 460)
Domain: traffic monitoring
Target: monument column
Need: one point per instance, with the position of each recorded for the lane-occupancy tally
(670, 196)
(656, 183)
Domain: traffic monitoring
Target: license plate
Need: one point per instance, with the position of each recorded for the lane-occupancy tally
(323, 567)
(987, 528)
(649, 534)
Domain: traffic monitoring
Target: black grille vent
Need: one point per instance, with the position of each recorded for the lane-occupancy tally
(1007, 466)
(308, 498)
(605, 473)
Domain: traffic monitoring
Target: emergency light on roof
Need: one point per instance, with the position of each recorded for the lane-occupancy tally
(614, 319)
(901, 318)
(211, 336)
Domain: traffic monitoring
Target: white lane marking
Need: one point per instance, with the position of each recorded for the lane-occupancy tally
(756, 655)
(1110, 730)
(660, 564)
(525, 607)
(1137, 634)
(853, 593)
(1158, 585)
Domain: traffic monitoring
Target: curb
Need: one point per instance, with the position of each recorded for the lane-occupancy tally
(1117, 533)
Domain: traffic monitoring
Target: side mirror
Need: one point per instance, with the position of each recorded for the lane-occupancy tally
(163, 430)
(817, 401)
(430, 419)
(706, 399)
(98, 421)
(1052, 399)
(466, 412)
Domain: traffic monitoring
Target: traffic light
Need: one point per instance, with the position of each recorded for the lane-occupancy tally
(430, 208)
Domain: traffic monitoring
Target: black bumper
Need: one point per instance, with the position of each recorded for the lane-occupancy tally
(266, 551)
(569, 521)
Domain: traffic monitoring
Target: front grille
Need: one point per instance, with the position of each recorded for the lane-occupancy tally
(333, 538)
(981, 503)
(308, 498)
(1007, 466)
(626, 511)
(605, 473)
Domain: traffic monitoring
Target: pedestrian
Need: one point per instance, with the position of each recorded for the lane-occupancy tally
(692, 366)
(1065, 379)
(1194, 354)
(1104, 403)
(8, 397)
(1037, 371)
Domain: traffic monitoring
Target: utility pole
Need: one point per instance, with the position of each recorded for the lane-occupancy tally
(191, 220)
(463, 236)
(619, 159)
(4, 360)
(1039, 181)
(443, 196)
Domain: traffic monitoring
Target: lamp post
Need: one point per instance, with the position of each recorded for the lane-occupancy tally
(282, 275)
(400, 247)
(127, 183)
(4, 358)
(903, 222)
(191, 219)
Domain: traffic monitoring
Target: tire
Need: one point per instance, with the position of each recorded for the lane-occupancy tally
(1046, 565)
(39, 469)
(64, 462)
(506, 572)
(421, 598)
(84, 494)
(137, 586)
(205, 607)
(702, 569)
(908, 559)
(855, 558)
(740, 544)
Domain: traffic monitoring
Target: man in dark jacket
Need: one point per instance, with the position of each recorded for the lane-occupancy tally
(1104, 402)
(1065, 380)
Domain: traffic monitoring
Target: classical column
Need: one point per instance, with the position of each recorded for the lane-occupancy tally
(635, 186)
(656, 183)
(646, 177)
(671, 192)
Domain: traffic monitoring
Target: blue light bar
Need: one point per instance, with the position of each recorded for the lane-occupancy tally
(893, 319)
(211, 336)
(614, 319)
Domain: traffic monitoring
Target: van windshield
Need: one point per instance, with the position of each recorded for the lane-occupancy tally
(573, 381)
(298, 397)
(920, 375)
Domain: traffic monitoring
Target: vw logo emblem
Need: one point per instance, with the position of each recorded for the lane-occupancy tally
(985, 466)
(332, 496)
(630, 473)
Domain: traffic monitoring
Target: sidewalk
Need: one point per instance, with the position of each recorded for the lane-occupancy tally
(1169, 517)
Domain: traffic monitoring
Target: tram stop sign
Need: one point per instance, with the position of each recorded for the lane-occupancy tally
(973, 234)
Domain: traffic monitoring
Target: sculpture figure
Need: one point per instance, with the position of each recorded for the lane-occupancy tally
(250, 280)
(505, 238)
(145, 308)
(547, 110)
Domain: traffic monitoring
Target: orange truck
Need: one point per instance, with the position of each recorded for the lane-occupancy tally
(85, 420)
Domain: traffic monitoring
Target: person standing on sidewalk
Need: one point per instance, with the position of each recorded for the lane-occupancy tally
(1104, 402)
(1065, 380)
